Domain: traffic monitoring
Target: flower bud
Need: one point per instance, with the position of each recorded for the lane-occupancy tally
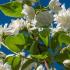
(44, 19)
(28, 11)
(54, 5)
(66, 63)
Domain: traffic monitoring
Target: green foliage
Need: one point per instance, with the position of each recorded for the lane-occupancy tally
(44, 36)
(28, 40)
(9, 59)
(42, 56)
(38, 43)
(26, 64)
(64, 38)
(14, 61)
(34, 48)
(61, 57)
(53, 43)
(15, 43)
(40, 8)
(12, 9)
(29, 2)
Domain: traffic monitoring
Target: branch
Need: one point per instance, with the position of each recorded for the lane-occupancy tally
(46, 65)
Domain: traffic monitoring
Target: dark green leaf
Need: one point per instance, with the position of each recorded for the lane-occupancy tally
(26, 64)
(34, 48)
(29, 2)
(61, 57)
(54, 41)
(44, 35)
(14, 61)
(63, 38)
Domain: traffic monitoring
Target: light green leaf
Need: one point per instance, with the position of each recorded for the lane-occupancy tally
(14, 61)
(63, 38)
(9, 59)
(45, 40)
(12, 9)
(15, 43)
(29, 2)
(42, 56)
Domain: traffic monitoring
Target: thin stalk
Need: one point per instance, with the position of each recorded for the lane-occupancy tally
(46, 65)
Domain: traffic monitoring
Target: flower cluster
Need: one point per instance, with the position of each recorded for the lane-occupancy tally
(63, 18)
(4, 66)
(36, 21)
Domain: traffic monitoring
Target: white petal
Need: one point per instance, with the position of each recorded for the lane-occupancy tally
(66, 63)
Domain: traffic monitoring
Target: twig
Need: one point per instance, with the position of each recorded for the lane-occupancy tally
(46, 65)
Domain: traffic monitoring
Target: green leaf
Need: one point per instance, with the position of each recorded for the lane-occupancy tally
(42, 56)
(44, 35)
(34, 48)
(28, 40)
(54, 41)
(26, 64)
(63, 38)
(61, 57)
(40, 8)
(14, 61)
(9, 59)
(15, 43)
(29, 2)
(12, 9)
(45, 40)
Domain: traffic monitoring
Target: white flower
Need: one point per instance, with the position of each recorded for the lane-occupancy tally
(54, 5)
(14, 27)
(66, 63)
(29, 12)
(54, 30)
(63, 18)
(1, 32)
(2, 55)
(44, 19)
(40, 67)
(40, 29)
(2, 29)
(4, 66)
